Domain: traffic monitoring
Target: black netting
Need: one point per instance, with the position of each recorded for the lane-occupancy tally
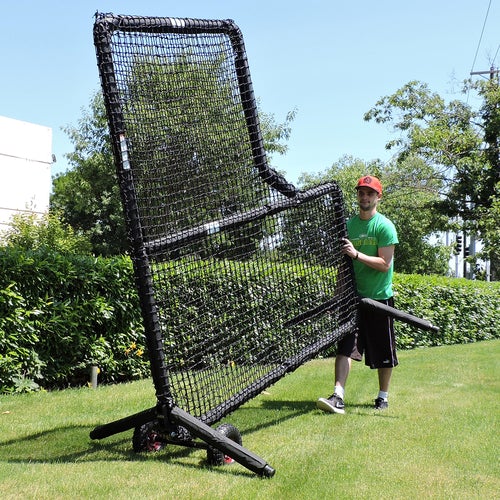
(240, 275)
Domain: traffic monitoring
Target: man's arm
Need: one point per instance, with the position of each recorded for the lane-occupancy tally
(381, 263)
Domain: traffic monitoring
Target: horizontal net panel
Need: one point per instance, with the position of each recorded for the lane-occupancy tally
(240, 275)
(241, 308)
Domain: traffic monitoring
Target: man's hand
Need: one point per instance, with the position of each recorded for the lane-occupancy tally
(348, 248)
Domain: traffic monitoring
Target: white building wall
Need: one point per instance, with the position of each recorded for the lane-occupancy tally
(25, 168)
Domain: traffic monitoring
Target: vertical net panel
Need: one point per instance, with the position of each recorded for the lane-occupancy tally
(247, 281)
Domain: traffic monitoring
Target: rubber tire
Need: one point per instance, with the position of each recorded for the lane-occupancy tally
(146, 439)
(217, 457)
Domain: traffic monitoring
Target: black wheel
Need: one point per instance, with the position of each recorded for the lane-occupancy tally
(216, 457)
(147, 438)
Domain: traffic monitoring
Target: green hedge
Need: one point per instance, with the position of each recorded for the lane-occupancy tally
(196, 297)
(464, 310)
(60, 314)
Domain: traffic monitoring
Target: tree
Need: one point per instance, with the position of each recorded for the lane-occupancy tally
(88, 196)
(346, 171)
(459, 144)
(29, 231)
(409, 193)
(187, 128)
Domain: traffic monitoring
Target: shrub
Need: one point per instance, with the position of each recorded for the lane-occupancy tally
(30, 231)
(20, 365)
(60, 314)
(464, 310)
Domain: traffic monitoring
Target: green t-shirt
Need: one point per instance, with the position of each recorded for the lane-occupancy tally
(368, 236)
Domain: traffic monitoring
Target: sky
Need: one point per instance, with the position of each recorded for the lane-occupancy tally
(331, 61)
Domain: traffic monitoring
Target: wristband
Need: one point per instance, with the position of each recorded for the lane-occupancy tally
(357, 255)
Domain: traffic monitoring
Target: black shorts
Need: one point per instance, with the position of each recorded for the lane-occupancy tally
(375, 339)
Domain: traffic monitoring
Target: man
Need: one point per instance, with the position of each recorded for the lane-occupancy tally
(371, 242)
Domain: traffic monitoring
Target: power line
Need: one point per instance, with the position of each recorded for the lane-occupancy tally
(481, 37)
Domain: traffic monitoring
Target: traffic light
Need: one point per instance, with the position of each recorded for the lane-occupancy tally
(458, 244)
(466, 251)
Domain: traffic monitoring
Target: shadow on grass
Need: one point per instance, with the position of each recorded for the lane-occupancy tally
(281, 411)
(70, 444)
(275, 412)
(367, 409)
(45, 448)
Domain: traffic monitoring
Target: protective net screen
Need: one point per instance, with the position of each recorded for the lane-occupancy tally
(240, 274)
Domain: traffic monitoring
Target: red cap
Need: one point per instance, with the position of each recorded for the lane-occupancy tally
(370, 182)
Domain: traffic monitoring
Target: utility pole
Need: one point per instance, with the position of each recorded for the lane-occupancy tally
(492, 72)
(465, 255)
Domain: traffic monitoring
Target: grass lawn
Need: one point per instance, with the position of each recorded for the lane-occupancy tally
(438, 439)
